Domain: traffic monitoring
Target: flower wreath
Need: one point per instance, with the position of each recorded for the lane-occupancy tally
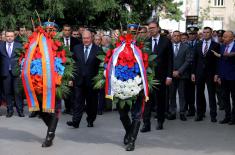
(46, 67)
(126, 69)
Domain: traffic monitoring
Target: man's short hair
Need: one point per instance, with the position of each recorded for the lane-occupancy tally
(208, 28)
(176, 31)
(10, 30)
(153, 22)
(184, 34)
(66, 25)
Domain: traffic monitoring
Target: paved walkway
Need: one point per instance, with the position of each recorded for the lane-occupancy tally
(23, 136)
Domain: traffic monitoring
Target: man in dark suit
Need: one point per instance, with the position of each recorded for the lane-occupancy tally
(69, 41)
(204, 71)
(87, 66)
(182, 60)
(227, 76)
(10, 77)
(162, 47)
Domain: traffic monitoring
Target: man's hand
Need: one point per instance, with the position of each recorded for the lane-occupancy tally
(216, 54)
(176, 74)
(70, 83)
(219, 81)
(216, 77)
(193, 77)
(168, 81)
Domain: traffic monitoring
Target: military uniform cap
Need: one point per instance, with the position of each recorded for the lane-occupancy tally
(192, 30)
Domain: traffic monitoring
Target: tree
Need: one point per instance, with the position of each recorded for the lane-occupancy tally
(99, 13)
(15, 13)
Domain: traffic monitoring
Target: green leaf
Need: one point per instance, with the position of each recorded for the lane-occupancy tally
(129, 102)
(149, 70)
(122, 103)
(152, 57)
(101, 57)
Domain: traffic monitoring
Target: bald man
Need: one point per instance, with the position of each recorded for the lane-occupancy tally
(87, 66)
(227, 76)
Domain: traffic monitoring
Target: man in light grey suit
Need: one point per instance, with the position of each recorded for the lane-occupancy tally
(181, 72)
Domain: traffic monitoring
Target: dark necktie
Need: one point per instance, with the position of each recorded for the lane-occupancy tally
(192, 43)
(9, 49)
(176, 50)
(155, 45)
(226, 49)
(86, 53)
(205, 49)
(67, 41)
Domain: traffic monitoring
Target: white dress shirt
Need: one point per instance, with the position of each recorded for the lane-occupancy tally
(65, 41)
(204, 45)
(153, 41)
(89, 50)
(230, 47)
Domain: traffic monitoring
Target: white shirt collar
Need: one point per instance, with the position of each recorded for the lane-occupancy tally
(89, 47)
(208, 41)
(158, 36)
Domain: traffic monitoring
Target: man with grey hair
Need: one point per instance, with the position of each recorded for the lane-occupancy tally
(227, 76)
(87, 65)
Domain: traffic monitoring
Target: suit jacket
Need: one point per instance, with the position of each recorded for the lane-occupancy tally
(73, 42)
(205, 66)
(86, 71)
(182, 61)
(164, 61)
(227, 65)
(6, 61)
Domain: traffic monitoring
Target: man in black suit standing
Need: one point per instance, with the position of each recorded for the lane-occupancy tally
(70, 42)
(204, 71)
(10, 77)
(182, 60)
(162, 47)
(87, 66)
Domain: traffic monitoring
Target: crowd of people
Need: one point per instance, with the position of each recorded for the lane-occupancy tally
(186, 63)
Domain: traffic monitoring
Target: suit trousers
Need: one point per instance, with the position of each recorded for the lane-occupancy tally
(157, 97)
(86, 98)
(189, 96)
(200, 96)
(228, 88)
(11, 91)
(177, 85)
(69, 100)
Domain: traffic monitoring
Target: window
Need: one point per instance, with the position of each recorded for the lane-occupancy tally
(218, 2)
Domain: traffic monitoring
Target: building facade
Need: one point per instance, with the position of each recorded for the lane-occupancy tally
(218, 14)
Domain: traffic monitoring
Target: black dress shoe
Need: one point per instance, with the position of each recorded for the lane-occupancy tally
(183, 118)
(9, 115)
(171, 117)
(198, 118)
(231, 123)
(99, 113)
(66, 112)
(73, 124)
(90, 124)
(21, 114)
(145, 128)
(159, 126)
(213, 120)
(126, 139)
(190, 114)
(33, 114)
(225, 121)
